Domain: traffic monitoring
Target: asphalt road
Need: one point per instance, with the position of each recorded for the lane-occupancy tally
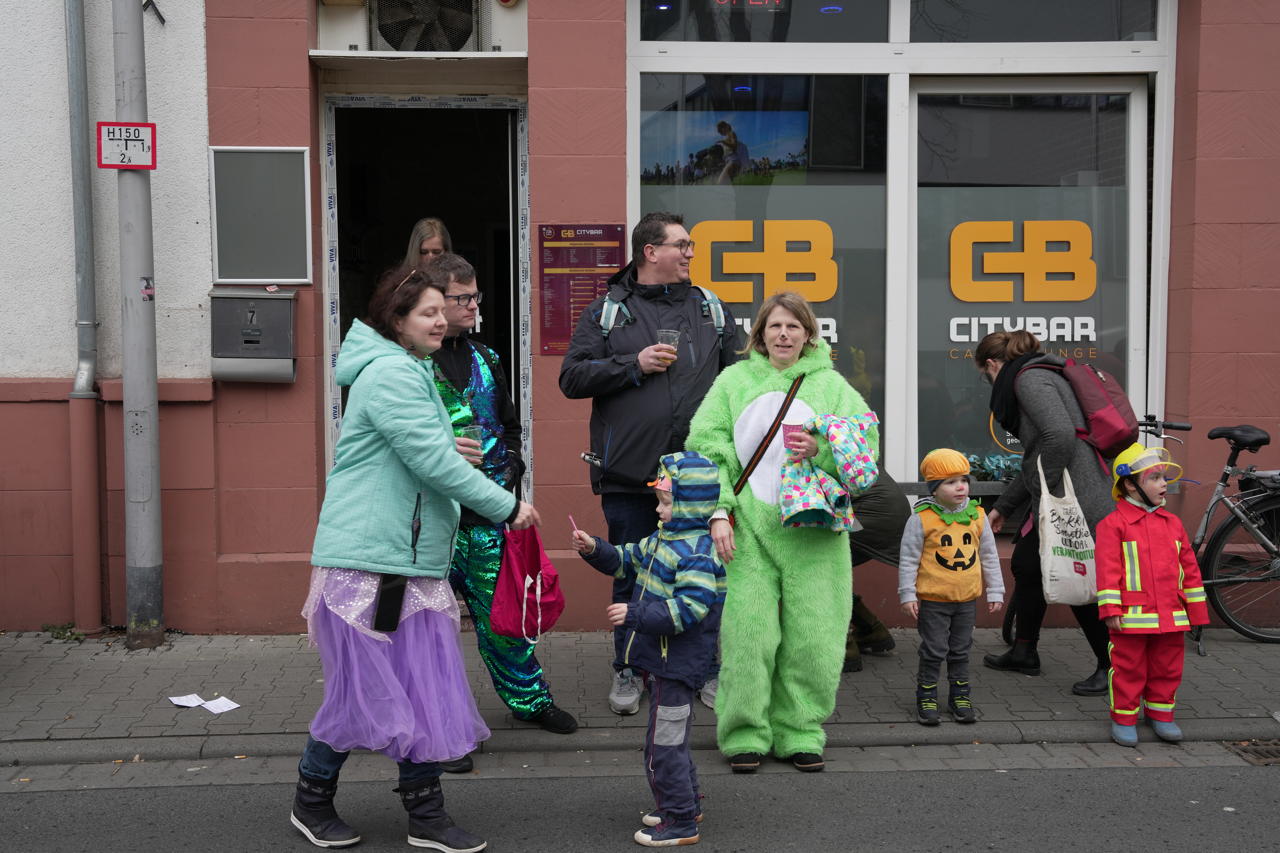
(1097, 809)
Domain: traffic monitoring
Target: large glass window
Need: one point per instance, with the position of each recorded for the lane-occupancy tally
(1022, 224)
(765, 20)
(1032, 20)
(781, 180)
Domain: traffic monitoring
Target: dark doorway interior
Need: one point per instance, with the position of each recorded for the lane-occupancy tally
(396, 166)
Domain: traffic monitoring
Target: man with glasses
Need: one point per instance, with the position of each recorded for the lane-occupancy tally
(474, 389)
(644, 393)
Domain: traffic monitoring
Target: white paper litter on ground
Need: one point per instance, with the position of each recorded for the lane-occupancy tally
(191, 700)
(220, 705)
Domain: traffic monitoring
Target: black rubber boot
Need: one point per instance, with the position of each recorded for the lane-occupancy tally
(1094, 685)
(927, 704)
(315, 817)
(430, 826)
(1022, 657)
(958, 703)
(870, 634)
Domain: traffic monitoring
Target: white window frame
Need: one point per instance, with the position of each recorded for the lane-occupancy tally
(905, 63)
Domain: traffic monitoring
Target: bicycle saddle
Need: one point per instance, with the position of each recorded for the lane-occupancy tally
(1244, 436)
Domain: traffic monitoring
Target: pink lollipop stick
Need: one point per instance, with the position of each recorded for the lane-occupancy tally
(574, 523)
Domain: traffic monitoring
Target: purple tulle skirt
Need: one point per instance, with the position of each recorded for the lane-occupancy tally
(404, 694)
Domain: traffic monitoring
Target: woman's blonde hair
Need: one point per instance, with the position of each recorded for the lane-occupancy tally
(799, 308)
(425, 229)
(1005, 346)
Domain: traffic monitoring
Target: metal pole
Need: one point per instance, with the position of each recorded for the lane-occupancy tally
(143, 550)
(86, 545)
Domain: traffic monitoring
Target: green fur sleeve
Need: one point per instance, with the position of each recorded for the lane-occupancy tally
(711, 434)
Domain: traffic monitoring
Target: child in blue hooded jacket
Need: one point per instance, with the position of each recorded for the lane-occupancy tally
(673, 623)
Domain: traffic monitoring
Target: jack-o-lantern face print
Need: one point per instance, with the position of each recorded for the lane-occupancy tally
(962, 558)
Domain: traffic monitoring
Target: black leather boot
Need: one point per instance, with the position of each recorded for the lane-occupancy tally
(314, 815)
(870, 634)
(430, 826)
(1094, 685)
(1022, 657)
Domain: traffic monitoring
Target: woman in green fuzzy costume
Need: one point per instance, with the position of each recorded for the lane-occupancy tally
(783, 630)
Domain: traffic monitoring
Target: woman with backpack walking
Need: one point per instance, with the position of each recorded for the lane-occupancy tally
(1040, 409)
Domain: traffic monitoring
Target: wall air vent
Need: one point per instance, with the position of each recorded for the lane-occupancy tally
(422, 25)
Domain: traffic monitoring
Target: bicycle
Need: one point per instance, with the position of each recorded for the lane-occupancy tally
(1240, 560)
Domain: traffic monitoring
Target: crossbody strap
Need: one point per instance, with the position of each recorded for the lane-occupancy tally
(768, 436)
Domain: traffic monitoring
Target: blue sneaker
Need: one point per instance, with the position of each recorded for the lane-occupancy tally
(1124, 735)
(1166, 731)
(669, 834)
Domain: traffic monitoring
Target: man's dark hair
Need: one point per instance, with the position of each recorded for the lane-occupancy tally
(449, 267)
(651, 229)
(398, 291)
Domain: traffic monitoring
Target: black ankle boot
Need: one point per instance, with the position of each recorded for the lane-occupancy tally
(959, 704)
(1022, 658)
(314, 815)
(1094, 685)
(927, 704)
(869, 633)
(429, 824)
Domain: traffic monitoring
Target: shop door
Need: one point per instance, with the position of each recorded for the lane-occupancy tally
(1030, 211)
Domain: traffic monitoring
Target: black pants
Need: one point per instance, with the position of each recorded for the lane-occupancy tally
(631, 517)
(1028, 596)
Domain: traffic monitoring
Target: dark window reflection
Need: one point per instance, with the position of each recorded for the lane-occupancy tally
(988, 140)
(765, 20)
(1032, 20)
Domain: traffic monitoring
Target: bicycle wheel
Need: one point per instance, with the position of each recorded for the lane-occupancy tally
(1244, 586)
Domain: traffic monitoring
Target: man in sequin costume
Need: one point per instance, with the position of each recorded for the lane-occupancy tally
(475, 392)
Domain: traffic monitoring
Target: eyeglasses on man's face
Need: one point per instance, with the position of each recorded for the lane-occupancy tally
(682, 246)
(465, 299)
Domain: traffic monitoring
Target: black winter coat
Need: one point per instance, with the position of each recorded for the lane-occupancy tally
(638, 417)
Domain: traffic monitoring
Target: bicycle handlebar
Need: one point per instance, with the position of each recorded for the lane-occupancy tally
(1151, 425)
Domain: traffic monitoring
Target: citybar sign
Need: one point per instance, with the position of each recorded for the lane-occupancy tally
(1055, 263)
(794, 254)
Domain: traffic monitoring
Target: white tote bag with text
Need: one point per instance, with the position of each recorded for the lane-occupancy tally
(1066, 546)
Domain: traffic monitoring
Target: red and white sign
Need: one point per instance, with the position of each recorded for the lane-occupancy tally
(126, 145)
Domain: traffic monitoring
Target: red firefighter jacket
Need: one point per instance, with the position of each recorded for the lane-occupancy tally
(1147, 572)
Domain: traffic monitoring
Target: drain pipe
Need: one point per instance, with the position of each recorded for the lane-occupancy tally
(86, 534)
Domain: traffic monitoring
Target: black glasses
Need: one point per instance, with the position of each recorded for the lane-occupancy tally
(465, 299)
(682, 246)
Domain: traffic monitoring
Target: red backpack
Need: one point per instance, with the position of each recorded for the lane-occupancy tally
(1110, 425)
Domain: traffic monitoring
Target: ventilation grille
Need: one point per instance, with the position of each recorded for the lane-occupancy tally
(422, 25)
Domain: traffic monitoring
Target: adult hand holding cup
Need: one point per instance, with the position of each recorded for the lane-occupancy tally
(796, 440)
(468, 441)
(669, 338)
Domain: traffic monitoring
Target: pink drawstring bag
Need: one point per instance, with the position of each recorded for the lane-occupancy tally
(527, 599)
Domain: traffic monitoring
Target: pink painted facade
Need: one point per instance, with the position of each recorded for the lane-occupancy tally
(243, 465)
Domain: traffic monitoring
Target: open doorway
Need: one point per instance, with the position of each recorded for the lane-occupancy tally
(396, 166)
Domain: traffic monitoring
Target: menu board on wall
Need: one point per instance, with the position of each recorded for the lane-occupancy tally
(576, 264)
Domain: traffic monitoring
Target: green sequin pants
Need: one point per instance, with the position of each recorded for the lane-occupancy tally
(516, 673)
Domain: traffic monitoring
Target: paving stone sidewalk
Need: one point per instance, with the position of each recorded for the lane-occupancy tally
(66, 702)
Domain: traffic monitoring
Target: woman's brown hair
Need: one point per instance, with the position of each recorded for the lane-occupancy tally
(397, 292)
(1005, 346)
(799, 308)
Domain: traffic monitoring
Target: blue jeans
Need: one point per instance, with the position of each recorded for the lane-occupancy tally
(321, 761)
(631, 517)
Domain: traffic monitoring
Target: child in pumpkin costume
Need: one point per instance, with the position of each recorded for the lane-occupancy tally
(948, 555)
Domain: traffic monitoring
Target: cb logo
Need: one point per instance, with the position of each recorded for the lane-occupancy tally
(1036, 262)
(795, 254)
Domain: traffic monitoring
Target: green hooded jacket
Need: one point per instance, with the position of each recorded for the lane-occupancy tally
(391, 500)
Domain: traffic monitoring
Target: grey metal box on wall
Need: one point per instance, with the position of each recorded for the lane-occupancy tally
(252, 334)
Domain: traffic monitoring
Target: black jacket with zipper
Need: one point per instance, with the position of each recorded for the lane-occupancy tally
(638, 417)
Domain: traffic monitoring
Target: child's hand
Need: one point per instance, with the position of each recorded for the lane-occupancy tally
(995, 606)
(583, 542)
(1113, 622)
(616, 613)
(912, 609)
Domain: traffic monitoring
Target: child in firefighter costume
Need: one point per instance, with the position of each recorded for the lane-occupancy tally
(948, 557)
(1149, 593)
(790, 589)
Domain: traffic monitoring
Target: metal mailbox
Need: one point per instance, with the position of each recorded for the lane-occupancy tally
(252, 339)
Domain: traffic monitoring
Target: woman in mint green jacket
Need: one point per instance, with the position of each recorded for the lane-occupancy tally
(380, 609)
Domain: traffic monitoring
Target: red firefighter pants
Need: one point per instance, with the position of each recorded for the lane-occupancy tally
(1146, 669)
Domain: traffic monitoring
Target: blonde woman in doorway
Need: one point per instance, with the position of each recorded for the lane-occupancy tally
(428, 240)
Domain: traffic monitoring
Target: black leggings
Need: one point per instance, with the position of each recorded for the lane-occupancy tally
(1028, 596)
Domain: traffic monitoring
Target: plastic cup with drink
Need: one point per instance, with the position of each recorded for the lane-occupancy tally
(670, 338)
(476, 434)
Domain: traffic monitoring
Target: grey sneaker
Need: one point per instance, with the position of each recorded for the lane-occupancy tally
(624, 696)
(708, 692)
